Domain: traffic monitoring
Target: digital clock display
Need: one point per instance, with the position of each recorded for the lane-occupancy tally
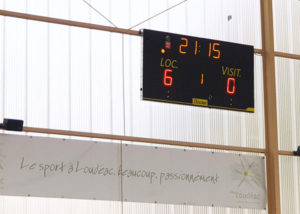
(195, 71)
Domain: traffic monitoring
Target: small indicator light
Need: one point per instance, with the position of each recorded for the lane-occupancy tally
(168, 42)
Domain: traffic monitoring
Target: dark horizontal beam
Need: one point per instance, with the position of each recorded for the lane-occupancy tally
(77, 24)
(68, 22)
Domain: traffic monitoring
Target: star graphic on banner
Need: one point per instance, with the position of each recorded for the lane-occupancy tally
(247, 173)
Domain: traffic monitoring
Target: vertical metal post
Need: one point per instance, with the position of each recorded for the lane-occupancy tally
(270, 107)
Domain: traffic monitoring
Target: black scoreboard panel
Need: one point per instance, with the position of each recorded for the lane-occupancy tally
(195, 71)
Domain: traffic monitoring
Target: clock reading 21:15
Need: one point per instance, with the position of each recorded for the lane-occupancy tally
(197, 71)
(214, 52)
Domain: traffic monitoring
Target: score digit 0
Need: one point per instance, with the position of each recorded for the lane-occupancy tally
(230, 86)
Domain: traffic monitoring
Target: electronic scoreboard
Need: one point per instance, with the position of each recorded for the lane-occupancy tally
(196, 71)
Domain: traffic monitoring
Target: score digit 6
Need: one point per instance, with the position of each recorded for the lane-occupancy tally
(168, 80)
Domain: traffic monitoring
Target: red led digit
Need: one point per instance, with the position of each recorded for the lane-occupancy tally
(230, 85)
(168, 80)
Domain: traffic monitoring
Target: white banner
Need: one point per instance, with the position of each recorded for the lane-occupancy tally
(51, 167)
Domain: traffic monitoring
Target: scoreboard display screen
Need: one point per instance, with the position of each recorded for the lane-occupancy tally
(196, 71)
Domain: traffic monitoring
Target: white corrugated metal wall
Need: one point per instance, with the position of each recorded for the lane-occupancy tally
(287, 34)
(70, 78)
